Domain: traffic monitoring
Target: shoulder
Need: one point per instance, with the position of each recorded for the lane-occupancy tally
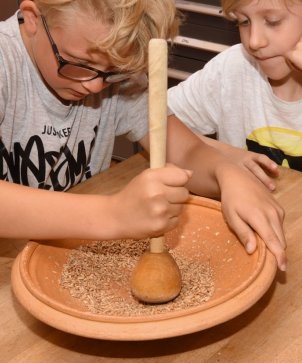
(9, 28)
(231, 67)
(231, 59)
(10, 38)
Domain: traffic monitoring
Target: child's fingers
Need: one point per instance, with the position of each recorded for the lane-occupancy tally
(175, 176)
(176, 195)
(245, 234)
(274, 244)
(260, 174)
(268, 164)
(275, 241)
(294, 57)
(169, 225)
(264, 169)
(292, 63)
(277, 251)
(270, 233)
(168, 182)
(269, 225)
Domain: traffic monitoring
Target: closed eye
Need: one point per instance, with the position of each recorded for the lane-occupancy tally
(273, 22)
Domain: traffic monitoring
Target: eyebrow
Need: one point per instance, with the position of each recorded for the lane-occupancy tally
(264, 10)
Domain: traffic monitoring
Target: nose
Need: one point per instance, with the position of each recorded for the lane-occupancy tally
(257, 38)
(94, 85)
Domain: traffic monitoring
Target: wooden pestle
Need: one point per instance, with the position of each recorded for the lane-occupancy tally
(156, 278)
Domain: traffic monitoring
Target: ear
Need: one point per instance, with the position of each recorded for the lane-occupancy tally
(31, 16)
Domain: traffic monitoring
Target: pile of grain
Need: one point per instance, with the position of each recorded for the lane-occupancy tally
(99, 275)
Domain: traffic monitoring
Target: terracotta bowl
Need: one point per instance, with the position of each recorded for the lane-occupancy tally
(240, 280)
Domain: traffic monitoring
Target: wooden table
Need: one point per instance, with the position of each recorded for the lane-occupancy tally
(269, 332)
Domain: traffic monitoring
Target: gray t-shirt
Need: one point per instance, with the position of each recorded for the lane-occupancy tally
(46, 144)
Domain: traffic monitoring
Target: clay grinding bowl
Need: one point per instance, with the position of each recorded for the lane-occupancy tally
(240, 280)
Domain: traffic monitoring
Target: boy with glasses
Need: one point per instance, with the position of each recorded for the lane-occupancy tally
(68, 87)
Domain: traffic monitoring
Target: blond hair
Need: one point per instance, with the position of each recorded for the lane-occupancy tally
(132, 24)
(229, 6)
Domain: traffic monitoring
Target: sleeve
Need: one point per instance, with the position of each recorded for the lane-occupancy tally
(197, 100)
(132, 115)
(3, 91)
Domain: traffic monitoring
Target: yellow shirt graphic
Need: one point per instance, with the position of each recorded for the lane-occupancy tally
(282, 145)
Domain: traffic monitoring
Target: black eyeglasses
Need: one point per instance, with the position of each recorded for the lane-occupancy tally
(80, 72)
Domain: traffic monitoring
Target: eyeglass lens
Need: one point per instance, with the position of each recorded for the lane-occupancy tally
(76, 72)
(80, 73)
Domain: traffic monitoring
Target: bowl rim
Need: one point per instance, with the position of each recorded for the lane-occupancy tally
(37, 300)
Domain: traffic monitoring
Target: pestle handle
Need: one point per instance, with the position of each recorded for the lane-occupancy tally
(158, 83)
(157, 278)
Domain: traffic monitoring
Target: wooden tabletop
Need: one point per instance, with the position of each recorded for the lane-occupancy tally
(269, 332)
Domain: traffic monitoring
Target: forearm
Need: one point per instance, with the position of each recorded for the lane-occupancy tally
(38, 214)
(192, 153)
(206, 164)
(219, 145)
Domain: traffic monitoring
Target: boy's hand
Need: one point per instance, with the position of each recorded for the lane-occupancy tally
(151, 203)
(255, 210)
(259, 165)
(294, 57)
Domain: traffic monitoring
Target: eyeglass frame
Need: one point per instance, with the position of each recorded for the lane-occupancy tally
(63, 62)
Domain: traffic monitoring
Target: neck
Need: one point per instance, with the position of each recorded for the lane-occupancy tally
(290, 88)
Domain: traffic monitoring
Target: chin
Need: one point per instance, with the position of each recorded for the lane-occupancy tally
(277, 71)
(68, 97)
(278, 75)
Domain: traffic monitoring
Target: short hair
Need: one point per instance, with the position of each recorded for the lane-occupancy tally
(132, 24)
(229, 6)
